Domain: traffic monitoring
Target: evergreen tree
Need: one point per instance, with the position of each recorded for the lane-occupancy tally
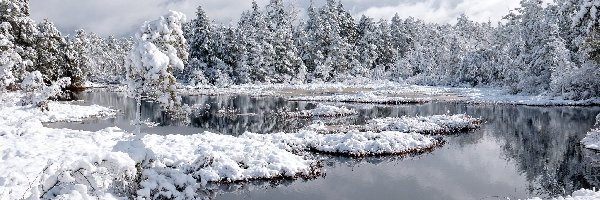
(200, 35)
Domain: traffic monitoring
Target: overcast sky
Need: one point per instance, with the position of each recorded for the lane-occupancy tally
(121, 17)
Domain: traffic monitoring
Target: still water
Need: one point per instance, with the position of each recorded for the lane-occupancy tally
(520, 151)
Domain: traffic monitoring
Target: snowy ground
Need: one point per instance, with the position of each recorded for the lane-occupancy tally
(385, 93)
(36, 161)
(41, 162)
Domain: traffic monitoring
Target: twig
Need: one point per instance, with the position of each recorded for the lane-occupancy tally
(31, 183)
(79, 170)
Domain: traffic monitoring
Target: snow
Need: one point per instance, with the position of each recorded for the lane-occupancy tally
(592, 140)
(362, 98)
(582, 194)
(353, 143)
(41, 162)
(211, 157)
(383, 92)
(436, 124)
(322, 111)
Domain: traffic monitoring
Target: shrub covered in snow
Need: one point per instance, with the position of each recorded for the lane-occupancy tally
(100, 176)
(37, 93)
(159, 49)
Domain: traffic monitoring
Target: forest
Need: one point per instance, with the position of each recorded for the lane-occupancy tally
(538, 49)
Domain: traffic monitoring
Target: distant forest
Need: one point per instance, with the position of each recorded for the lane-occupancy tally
(537, 49)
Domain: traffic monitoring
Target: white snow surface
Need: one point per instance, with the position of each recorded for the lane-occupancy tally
(366, 97)
(582, 194)
(385, 92)
(592, 140)
(212, 157)
(436, 124)
(353, 143)
(323, 111)
(41, 162)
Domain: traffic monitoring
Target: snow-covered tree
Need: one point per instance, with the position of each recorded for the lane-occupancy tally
(200, 37)
(50, 49)
(38, 93)
(159, 49)
(286, 62)
(9, 58)
(78, 57)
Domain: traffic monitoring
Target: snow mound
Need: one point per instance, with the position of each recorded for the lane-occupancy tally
(583, 194)
(355, 143)
(322, 111)
(99, 176)
(592, 140)
(211, 157)
(436, 124)
(27, 151)
(363, 98)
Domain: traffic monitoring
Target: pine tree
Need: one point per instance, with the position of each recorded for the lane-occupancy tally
(287, 62)
(77, 57)
(50, 55)
(201, 47)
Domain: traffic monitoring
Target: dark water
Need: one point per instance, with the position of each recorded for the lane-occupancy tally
(519, 152)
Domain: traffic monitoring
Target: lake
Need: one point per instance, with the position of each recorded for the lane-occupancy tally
(519, 152)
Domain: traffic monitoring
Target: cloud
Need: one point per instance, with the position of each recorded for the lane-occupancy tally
(441, 11)
(122, 17)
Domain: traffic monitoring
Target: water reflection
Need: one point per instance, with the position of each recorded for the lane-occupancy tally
(519, 152)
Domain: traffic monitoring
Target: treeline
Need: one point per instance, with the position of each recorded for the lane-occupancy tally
(537, 49)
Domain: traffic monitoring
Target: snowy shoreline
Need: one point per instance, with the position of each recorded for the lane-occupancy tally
(43, 162)
(386, 93)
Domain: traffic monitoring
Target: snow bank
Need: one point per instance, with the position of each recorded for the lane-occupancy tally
(436, 124)
(26, 151)
(354, 143)
(362, 98)
(582, 194)
(386, 93)
(212, 157)
(322, 111)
